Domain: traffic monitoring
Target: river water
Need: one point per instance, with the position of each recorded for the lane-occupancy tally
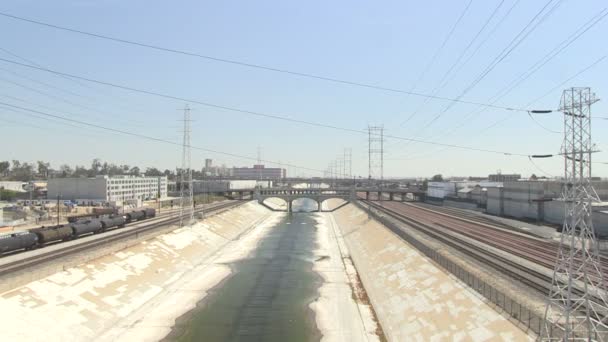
(266, 298)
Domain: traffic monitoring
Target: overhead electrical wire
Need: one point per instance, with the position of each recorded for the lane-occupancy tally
(257, 66)
(514, 43)
(71, 121)
(441, 84)
(558, 49)
(442, 46)
(530, 103)
(256, 113)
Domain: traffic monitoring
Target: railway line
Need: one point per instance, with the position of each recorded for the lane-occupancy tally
(473, 238)
(45, 255)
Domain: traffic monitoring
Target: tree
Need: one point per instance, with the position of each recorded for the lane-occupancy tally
(65, 171)
(437, 178)
(22, 172)
(134, 171)
(95, 167)
(43, 168)
(80, 171)
(533, 177)
(153, 172)
(5, 167)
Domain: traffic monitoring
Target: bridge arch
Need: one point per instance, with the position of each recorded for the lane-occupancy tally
(306, 208)
(275, 203)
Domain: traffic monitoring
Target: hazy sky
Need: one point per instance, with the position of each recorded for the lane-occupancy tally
(385, 43)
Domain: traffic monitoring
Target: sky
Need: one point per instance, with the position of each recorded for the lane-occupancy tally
(403, 45)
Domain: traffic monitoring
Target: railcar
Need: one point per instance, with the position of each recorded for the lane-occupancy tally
(112, 222)
(53, 233)
(80, 228)
(17, 241)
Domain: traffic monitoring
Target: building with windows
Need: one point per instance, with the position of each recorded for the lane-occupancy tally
(499, 177)
(258, 172)
(111, 189)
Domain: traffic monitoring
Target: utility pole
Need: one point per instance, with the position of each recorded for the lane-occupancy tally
(576, 307)
(186, 198)
(58, 196)
(375, 152)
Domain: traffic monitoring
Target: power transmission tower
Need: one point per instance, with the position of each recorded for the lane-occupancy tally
(348, 163)
(186, 195)
(376, 152)
(576, 306)
(259, 162)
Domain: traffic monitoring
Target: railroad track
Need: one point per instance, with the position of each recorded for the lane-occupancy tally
(534, 279)
(50, 255)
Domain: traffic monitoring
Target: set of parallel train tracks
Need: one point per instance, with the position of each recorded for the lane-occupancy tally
(472, 236)
(86, 243)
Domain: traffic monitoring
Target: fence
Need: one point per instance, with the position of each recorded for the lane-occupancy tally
(514, 309)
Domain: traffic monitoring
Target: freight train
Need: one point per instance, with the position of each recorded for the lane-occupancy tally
(39, 237)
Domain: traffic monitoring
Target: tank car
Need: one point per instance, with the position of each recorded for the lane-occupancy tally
(53, 233)
(17, 241)
(80, 228)
(150, 212)
(135, 215)
(111, 222)
(103, 211)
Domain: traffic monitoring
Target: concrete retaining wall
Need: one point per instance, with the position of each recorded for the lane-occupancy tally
(41, 270)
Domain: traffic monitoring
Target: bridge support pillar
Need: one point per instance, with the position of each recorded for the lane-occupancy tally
(367, 195)
(319, 206)
(379, 195)
(391, 196)
(289, 206)
(403, 197)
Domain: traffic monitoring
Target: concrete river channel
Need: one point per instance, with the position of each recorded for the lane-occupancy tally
(267, 296)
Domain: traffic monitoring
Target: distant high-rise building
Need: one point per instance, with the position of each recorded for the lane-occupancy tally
(208, 164)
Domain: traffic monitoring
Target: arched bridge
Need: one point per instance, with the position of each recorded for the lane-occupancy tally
(317, 194)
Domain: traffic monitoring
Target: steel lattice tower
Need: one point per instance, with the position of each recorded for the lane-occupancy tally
(186, 195)
(376, 152)
(576, 306)
(348, 163)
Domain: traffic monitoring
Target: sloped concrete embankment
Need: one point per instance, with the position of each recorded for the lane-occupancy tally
(413, 298)
(136, 293)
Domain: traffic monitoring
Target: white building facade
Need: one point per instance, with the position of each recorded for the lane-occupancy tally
(111, 189)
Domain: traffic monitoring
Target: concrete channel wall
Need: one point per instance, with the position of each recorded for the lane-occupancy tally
(419, 294)
(43, 269)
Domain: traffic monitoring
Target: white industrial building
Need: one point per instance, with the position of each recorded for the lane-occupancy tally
(541, 201)
(110, 189)
(13, 186)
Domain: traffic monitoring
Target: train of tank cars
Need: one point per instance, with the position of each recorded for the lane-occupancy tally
(77, 227)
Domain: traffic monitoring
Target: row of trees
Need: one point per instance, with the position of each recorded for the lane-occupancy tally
(24, 171)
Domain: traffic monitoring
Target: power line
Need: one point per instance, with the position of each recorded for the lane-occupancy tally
(514, 43)
(530, 103)
(533, 69)
(261, 114)
(441, 83)
(442, 46)
(143, 136)
(250, 65)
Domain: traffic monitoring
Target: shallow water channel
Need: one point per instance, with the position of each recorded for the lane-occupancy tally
(266, 298)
